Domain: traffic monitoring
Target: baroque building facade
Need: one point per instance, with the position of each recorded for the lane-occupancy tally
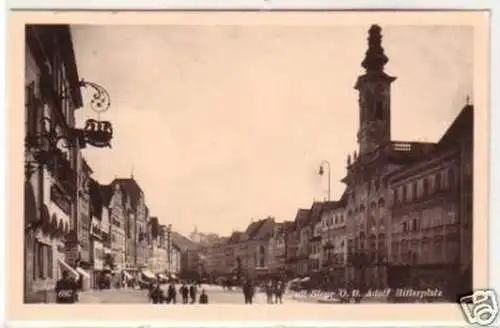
(367, 189)
(52, 90)
(428, 246)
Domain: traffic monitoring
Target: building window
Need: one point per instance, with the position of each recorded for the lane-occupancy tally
(409, 193)
(444, 180)
(43, 264)
(451, 178)
(35, 260)
(32, 110)
(49, 262)
(40, 260)
(420, 188)
(425, 190)
(399, 196)
(437, 180)
(430, 184)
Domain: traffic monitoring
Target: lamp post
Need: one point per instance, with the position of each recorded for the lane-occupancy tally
(322, 172)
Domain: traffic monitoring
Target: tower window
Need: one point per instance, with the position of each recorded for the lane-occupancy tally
(379, 113)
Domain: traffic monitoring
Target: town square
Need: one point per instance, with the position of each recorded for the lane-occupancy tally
(247, 165)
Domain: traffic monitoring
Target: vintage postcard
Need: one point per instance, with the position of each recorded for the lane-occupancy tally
(248, 166)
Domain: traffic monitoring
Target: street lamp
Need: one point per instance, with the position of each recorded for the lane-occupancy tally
(322, 172)
(44, 145)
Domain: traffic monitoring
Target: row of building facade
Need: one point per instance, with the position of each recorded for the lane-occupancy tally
(404, 219)
(71, 221)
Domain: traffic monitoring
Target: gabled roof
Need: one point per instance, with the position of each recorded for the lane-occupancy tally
(343, 198)
(302, 217)
(96, 199)
(237, 237)
(106, 192)
(265, 230)
(252, 228)
(462, 125)
(260, 229)
(183, 242)
(319, 207)
(130, 188)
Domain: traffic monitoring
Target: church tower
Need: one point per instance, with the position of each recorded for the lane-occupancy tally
(374, 89)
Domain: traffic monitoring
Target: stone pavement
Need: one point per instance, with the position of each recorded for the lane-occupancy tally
(215, 294)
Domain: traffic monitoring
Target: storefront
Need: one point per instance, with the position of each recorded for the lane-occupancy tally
(98, 261)
(147, 275)
(30, 223)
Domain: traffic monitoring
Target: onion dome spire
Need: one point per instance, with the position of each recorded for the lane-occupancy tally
(375, 58)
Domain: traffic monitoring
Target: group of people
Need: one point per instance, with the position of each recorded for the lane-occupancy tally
(274, 292)
(275, 289)
(188, 294)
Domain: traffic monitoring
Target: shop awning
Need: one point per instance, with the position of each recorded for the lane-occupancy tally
(66, 267)
(162, 276)
(295, 280)
(148, 274)
(128, 275)
(305, 279)
(173, 276)
(83, 272)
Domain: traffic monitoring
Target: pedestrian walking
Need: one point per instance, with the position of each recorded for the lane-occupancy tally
(269, 292)
(192, 292)
(248, 292)
(203, 297)
(151, 288)
(278, 292)
(66, 289)
(184, 291)
(157, 295)
(171, 294)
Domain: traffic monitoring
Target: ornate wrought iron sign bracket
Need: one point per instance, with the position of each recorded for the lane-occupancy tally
(44, 147)
(96, 133)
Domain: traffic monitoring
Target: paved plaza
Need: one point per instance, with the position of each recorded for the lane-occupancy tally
(216, 295)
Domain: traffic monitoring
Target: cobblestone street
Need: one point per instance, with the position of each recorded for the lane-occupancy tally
(215, 294)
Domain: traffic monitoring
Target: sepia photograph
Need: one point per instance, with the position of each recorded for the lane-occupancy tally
(250, 164)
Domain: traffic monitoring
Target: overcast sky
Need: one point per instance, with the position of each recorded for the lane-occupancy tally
(222, 124)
